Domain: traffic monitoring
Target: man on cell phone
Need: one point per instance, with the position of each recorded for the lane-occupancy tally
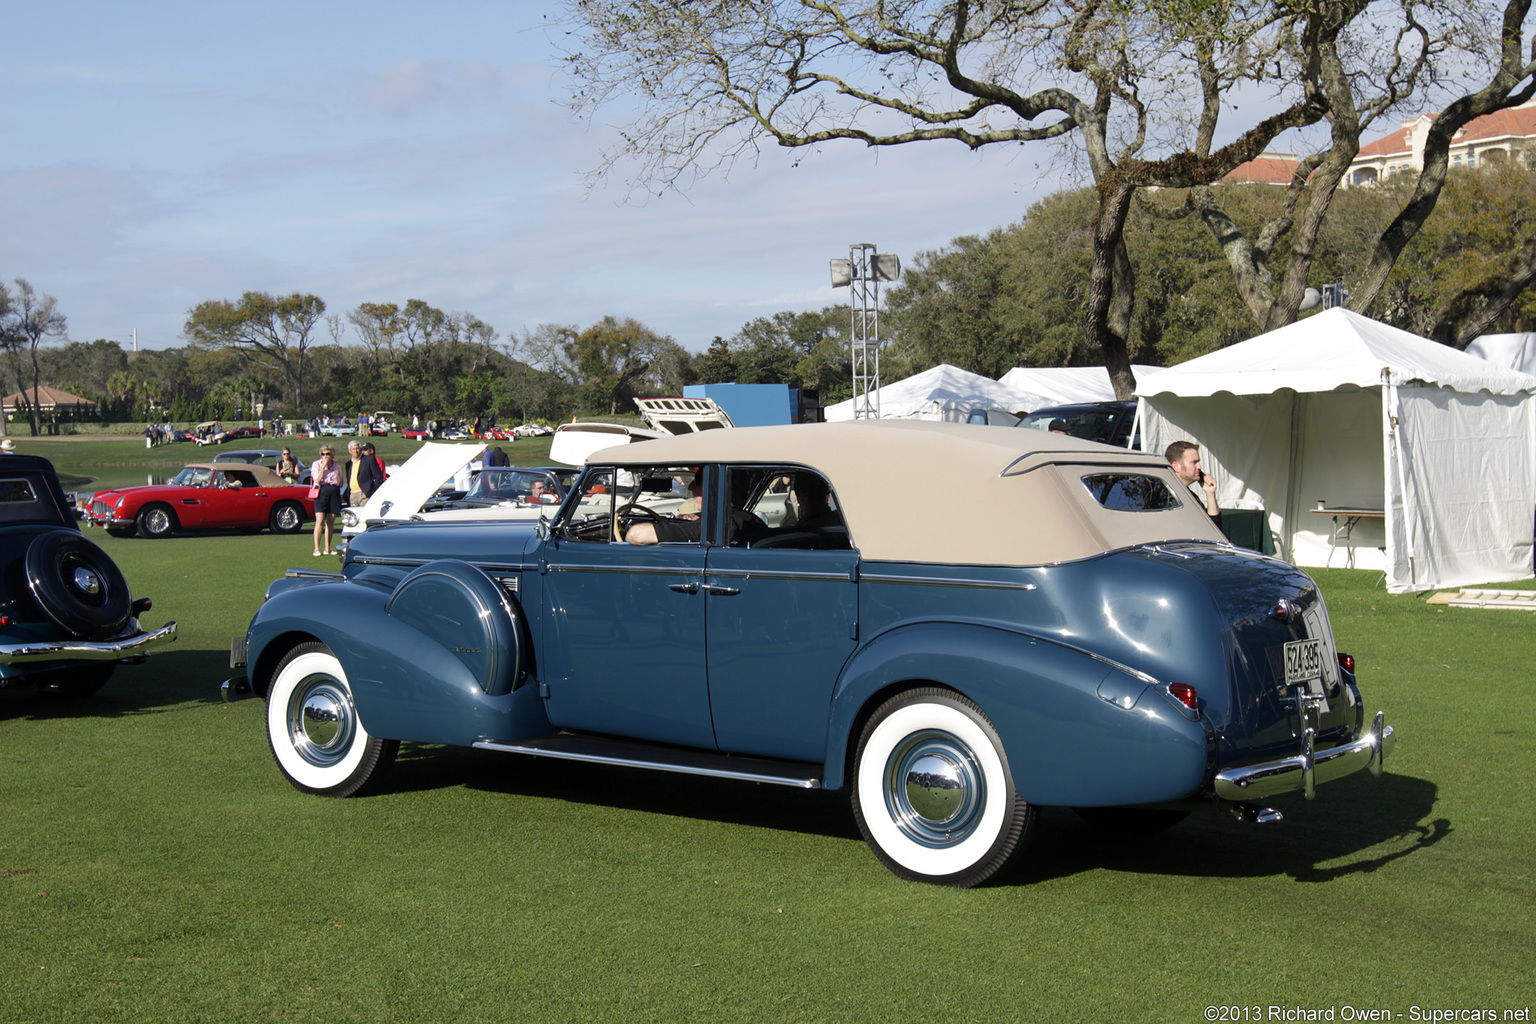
(1184, 458)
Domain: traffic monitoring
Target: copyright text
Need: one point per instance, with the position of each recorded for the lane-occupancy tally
(1435, 1014)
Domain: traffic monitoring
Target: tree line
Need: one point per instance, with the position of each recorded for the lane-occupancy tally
(1012, 297)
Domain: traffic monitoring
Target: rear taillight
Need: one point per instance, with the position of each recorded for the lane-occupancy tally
(1185, 694)
(1347, 662)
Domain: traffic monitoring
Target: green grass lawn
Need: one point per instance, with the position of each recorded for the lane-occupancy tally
(155, 866)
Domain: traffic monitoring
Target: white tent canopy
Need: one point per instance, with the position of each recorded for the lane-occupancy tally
(1069, 385)
(944, 392)
(1433, 450)
(1516, 351)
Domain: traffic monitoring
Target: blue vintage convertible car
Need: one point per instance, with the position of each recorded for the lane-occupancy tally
(777, 605)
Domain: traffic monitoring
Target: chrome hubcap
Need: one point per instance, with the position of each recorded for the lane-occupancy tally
(287, 518)
(934, 789)
(87, 581)
(321, 721)
(157, 521)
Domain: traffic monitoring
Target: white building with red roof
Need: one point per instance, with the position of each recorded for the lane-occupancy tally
(1492, 137)
(1487, 139)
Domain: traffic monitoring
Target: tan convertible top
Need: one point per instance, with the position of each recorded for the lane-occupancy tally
(950, 493)
(265, 477)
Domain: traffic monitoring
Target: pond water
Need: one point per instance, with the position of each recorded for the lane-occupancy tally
(83, 478)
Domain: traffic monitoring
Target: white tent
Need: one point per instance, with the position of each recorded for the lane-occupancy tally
(1069, 385)
(944, 392)
(1516, 351)
(1431, 451)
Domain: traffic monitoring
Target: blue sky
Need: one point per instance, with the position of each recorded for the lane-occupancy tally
(158, 155)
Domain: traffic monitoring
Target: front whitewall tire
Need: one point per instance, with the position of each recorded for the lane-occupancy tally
(314, 730)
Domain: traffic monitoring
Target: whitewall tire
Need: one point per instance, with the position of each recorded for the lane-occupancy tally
(314, 729)
(932, 792)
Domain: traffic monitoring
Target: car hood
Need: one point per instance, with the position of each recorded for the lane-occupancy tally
(408, 487)
(573, 443)
(112, 495)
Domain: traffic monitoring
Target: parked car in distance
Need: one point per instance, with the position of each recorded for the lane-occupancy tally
(411, 485)
(992, 417)
(811, 626)
(1106, 422)
(265, 457)
(67, 618)
(204, 495)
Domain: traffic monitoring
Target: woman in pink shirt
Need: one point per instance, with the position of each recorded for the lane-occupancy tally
(327, 479)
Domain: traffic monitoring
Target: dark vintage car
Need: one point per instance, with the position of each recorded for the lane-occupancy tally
(1087, 639)
(205, 496)
(66, 616)
(1106, 422)
(266, 457)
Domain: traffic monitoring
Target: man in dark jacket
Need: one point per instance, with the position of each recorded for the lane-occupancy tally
(360, 476)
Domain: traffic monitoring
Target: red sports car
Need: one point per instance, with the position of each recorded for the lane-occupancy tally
(204, 496)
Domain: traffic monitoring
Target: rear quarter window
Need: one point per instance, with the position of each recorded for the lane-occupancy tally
(1130, 492)
(21, 501)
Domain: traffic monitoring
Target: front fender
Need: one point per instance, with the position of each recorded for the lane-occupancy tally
(407, 685)
(1076, 731)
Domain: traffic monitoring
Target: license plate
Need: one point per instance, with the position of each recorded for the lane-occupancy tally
(1303, 661)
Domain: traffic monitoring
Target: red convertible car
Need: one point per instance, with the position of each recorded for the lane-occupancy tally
(204, 496)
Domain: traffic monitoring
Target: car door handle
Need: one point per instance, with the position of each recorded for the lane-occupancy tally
(713, 588)
(684, 588)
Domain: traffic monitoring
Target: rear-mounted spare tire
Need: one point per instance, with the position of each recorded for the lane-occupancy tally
(77, 585)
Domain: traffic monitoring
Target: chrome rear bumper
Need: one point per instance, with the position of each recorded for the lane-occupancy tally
(87, 650)
(1305, 770)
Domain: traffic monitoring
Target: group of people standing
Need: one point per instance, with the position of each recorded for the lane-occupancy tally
(356, 481)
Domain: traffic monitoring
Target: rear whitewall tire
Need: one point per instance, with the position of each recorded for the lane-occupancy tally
(314, 729)
(961, 832)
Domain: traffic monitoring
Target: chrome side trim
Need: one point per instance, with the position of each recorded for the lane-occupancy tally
(938, 581)
(627, 754)
(1131, 459)
(313, 574)
(635, 570)
(755, 574)
(1309, 768)
(87, 650)
(489, 568)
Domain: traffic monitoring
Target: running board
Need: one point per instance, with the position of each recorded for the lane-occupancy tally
(631, 754)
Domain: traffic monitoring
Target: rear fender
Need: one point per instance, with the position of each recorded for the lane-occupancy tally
(410, 678)
(1077, 731)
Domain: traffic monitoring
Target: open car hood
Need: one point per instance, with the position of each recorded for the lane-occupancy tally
(409, 487)
(573, 443)
(682, 415)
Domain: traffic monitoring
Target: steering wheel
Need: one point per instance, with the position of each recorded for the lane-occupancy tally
(628, 514)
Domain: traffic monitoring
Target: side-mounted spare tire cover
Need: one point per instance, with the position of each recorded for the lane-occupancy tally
(77, 585)
(468, 613)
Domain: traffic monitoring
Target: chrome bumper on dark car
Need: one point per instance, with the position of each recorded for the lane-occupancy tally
(1305, 770)
(87, 650)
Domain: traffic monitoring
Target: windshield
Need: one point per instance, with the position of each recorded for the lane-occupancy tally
(505, 485)
(192, 476)
(1107, 423)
